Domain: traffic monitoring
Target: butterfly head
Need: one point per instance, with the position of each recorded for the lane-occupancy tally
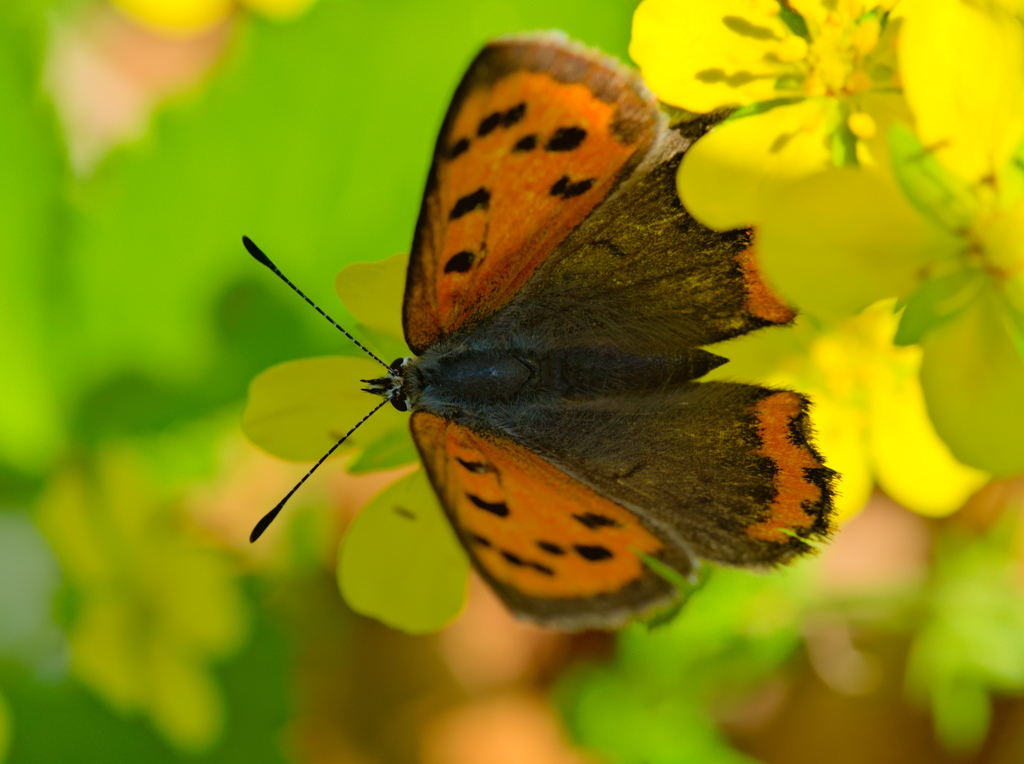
(393, 385)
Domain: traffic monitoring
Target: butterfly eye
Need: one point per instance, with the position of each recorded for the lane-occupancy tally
(397, 364)
(400, 403)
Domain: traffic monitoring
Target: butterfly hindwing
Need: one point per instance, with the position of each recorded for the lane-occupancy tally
(729, 468)
(538, 134)
(557, 552)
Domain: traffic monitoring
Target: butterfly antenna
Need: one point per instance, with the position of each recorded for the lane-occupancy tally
(268, 518)
(258, 254)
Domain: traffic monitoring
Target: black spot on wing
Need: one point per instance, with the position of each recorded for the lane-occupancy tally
(459, 147)
(460, 262)
(513, 558)
(593, 553)
(566, 189)
(550, 548)
(478, 539)
(565, 139)
(498, 508)
(488, 123)
(513, 115)
(594, 521)
(542, 569)
(478, 467)
(526, 143)
(478, 200)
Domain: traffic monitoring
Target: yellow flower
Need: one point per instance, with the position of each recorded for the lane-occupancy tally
(868, 408)
(942, 227)
(190, 17)
(821, 76)
(962, 67)
(154, 607)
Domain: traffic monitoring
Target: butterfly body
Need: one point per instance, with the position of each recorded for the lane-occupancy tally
(557, 299)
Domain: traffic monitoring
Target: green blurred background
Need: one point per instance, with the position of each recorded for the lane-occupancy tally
(136, 622)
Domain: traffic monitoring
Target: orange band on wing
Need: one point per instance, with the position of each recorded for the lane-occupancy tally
(761, 300)
(523, 217)
(535, 139)
(794, 491)
(527, 523)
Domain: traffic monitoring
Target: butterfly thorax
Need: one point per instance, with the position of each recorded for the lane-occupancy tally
(460, 381)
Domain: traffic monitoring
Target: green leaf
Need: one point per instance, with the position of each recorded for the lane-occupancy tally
(758, 108)
(395, 449)
(628, 721)
(795, 22)
(400, 561)
(1015, 316)
(298, 410)
(973, 377)
(962, 712)
(374, 292)
(844, 146)
(936, 301)
(33, 219)
(937, 194)
(969, 645)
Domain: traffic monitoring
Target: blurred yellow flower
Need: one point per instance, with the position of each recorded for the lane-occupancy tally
(849, 203)
(820, 76)
(962, 69)
(868, 408)
(942, 229)
(153, 607)
(190, 17)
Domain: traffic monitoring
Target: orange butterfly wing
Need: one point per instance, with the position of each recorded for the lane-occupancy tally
(556, 551)
(536, 136)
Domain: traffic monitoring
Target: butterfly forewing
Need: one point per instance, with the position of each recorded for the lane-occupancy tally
(537, 135)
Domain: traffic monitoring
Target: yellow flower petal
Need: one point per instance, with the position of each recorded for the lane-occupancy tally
(729, 175)
(186, 703)
(841, 438)
(862, 125)
(913, 465)
(373, 292)
(201, 602)
(409, 572)
(104, 655)
(186, 17)
(818, 13)
(702, 56)
(160, 609)
(298, 410)
(972, 376)
(962, 67)
(1003, 242)
(843, 239)
(884, 109)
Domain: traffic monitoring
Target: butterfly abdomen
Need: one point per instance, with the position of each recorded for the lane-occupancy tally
(459, 381)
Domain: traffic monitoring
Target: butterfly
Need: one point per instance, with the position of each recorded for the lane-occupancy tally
(557, 300)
